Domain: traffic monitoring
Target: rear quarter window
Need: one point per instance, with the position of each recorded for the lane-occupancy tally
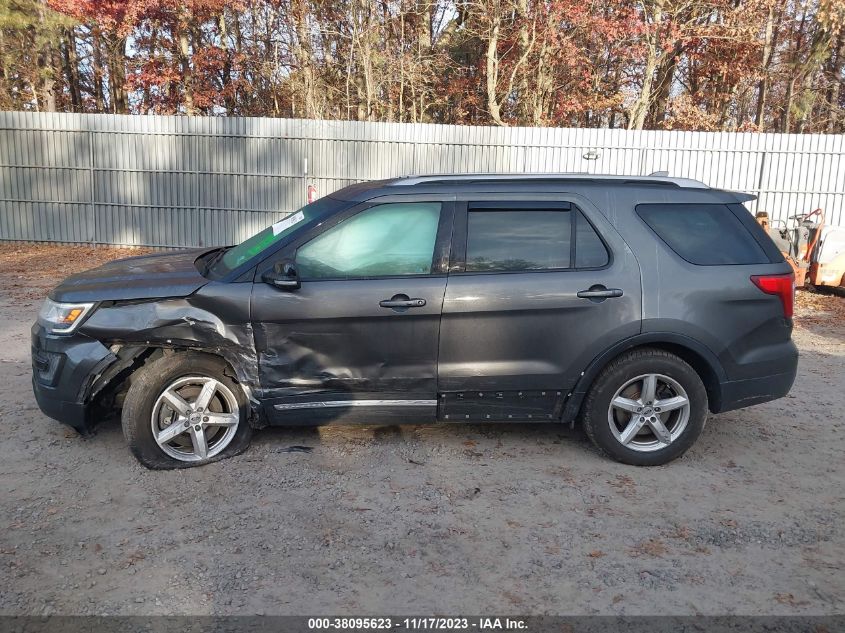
(703, 234)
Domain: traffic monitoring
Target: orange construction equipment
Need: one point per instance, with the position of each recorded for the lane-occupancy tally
(816, 252)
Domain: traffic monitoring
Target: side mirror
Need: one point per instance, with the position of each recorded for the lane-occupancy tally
(283, 276)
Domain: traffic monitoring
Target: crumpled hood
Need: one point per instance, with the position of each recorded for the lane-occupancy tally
(171, 274)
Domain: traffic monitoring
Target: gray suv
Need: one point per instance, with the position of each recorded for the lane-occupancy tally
(631, 304)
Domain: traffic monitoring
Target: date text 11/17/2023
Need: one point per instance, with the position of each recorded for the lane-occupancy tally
(419, 624)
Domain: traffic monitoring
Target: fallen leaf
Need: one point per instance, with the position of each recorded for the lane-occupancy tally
(789, 599)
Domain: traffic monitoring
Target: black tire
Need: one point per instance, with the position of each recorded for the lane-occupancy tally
(627, 367)
(150, 381)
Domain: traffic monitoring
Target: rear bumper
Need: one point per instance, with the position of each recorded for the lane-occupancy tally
(736, 394)
(63, 368)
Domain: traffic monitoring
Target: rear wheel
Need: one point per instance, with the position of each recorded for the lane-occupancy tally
(646, 408)
(183, 410)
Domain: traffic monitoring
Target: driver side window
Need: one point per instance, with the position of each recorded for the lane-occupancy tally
(383, 241)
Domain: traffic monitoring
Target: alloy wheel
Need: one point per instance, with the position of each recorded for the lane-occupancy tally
(649, 412)
(195, 418)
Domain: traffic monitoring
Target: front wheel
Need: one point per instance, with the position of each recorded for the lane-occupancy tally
(646, 408)
(183, 410)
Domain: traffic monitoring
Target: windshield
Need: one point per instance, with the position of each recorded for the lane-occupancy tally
(261, 241)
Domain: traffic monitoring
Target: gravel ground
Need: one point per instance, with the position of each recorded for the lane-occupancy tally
(523, 519)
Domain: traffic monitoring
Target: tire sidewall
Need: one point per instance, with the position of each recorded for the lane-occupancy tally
(147, 385)
(596, 416)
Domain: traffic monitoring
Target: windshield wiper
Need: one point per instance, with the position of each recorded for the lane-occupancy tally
(209, 261)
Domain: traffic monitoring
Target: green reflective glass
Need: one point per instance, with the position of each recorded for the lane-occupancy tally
(263, 240)
(386, 240)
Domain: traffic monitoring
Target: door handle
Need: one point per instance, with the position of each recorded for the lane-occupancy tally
(600, 292)
(401, 301)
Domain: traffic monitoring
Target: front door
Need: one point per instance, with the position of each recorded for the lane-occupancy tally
(358, 341)
(537, 289)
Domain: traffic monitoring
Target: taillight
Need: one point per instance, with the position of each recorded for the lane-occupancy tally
(781, 285)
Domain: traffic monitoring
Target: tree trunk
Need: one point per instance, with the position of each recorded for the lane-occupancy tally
(182, 36)
(117, 74)
(187, 78)
(787, 108)
(2, 57)
(724, 110)
(70, 61)
(663, 86)
(97, 71)
(424, 46)
(226, 80)
(492, 60)
(763, 84)
(401, 49)
(544, 88)
(641, 106)
(527, 96)
(146, 99)
(837, 65)
(304, 60)
(45, 68)
(762, 95)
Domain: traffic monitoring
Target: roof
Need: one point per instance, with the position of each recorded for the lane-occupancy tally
(581, 176)
(657, 184)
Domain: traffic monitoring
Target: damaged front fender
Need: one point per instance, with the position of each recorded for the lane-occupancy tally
(214, 320)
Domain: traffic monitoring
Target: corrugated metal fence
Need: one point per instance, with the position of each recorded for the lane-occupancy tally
(178, 181)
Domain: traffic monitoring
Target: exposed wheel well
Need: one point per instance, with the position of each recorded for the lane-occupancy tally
(107, 391)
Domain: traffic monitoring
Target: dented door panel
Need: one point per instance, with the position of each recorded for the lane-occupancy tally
(333, 341)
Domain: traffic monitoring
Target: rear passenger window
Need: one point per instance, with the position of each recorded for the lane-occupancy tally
(703, 234)
(504, 240)
(590, 251)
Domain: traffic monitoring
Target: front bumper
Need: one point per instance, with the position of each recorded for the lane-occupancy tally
(63, 369)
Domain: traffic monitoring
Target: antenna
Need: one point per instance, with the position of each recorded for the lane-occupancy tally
(661, 174)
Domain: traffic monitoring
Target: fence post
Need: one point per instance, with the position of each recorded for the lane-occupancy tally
(92, 223)
(758, 206)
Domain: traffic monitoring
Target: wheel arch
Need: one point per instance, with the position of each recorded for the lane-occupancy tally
(110, 382)
(697, 355)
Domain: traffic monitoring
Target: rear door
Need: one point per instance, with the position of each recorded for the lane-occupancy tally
(538, 286)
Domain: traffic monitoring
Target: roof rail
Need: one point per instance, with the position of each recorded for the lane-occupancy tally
(431, 178)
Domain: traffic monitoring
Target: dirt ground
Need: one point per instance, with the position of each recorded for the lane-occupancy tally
(525, 519)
